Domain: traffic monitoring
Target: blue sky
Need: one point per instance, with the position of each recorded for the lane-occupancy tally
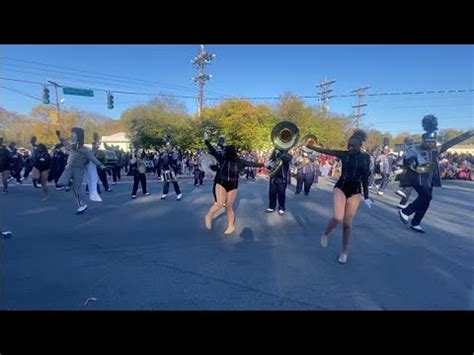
(257, 70)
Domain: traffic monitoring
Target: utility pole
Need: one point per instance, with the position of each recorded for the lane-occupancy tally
(324, 95)
(200, 62)
(56, 85)
(360, 93)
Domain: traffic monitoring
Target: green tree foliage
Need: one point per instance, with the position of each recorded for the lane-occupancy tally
(243, 123)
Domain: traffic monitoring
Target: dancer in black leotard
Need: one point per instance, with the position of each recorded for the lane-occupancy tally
(230, 166)
(347, 191)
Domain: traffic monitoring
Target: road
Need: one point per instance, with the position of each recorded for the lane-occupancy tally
(152, 254)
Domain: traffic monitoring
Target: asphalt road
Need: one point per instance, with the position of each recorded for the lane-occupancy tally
(149, 254)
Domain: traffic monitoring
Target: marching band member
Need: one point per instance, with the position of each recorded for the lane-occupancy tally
(385, 168)
(6, 160)
(404, 191)
(138, 170)
(250, 172)
(219, 151)
(58, 163)
(306, 171)
(168, 167)
(34, 146)
(347, 191)
(42, 162)
(278, 182)
(198, 173)
(100, 155)
(78, 158)
(17, 166)
(421, 163)
(230, 166)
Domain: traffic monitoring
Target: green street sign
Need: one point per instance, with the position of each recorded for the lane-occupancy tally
(78, 92)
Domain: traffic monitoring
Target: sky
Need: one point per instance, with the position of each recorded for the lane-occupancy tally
(253, 71)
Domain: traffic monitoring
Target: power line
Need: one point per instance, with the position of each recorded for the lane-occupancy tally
(146, 82)
(390, 94)
(104, 90)
(399, 94)
(21, 93)
(84, 81)
(22, 81)
(102, 74)
(66, 78)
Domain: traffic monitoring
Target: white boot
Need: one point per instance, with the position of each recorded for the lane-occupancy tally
(95, 197)
(342, 258)
(81, 209)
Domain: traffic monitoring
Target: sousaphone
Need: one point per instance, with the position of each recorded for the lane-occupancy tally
(312, 140)
(284, 136)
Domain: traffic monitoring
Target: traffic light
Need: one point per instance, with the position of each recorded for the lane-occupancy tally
(45, 96)
(110, 101)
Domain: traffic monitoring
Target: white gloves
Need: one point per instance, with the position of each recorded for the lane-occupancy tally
(206, 136)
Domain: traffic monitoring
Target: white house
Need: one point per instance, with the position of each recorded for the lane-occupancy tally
(118, 139)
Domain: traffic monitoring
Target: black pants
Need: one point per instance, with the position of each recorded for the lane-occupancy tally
(420, 205)
(27, 171)
(16, 173)
(407, 190)
(136, 179)
(277, 191)
(198, 177)
(166, 187)
(306, 180)
(250, 173)
(103, 178)
(116, 173)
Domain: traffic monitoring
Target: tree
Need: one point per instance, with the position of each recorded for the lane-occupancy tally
(148, 124)
(242, 123)
(332, 131)
(42, 122)
(400, 138)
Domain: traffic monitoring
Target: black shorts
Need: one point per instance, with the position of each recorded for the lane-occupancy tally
(349, 188)
(42, 168)
(229, 185)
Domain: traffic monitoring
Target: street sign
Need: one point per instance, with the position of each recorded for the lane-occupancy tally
(78, 92)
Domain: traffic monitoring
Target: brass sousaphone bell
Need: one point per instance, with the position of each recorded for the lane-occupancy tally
(285, 135)
(311, 140)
